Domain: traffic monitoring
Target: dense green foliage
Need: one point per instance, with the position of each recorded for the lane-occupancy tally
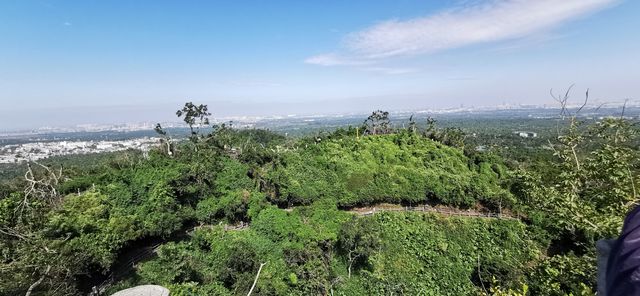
(292, 244)
(427, 254)
(306, 254)
(398, 168)
(220, 206)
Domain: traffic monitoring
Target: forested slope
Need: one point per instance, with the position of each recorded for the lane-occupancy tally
(397, 168)
(217, 207)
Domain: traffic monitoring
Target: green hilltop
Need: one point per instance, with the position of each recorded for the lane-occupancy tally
(365, 210)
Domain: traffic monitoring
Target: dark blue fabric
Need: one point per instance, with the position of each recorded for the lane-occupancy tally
(623, 268)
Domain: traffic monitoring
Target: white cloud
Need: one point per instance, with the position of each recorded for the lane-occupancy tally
(391, 70)
(365, 64)
(332, 59)
(476, 23)
(67, 24)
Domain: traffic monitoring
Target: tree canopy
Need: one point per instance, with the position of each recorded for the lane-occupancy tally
(203, 221)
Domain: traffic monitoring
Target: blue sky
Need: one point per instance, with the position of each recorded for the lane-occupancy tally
(68, 62)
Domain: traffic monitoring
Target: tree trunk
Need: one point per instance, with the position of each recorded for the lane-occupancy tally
(351, 260)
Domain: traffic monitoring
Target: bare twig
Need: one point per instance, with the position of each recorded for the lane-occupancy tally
(352, 259)
(480, 277)
(256, 279)
(599, 107)
(563, 101)
(633, 184)
(586, 99)
(40, 187)
(11, 232)
(624, 107)
(38, 282)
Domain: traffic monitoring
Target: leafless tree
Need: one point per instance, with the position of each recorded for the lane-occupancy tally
(40, 186)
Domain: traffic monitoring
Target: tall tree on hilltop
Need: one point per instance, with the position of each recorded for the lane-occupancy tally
(195, 117)
(377, 123)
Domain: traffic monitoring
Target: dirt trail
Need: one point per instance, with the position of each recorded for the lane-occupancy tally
(443, 210)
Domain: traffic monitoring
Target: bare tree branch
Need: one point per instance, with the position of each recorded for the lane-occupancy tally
(624, 107)
(39, 281)
(256, 279)
(586, 99)
(40, 186)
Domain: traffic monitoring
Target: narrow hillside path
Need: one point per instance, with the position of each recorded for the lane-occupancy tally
(442, 210)
(387, 207)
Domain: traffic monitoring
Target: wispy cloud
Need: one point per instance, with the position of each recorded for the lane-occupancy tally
(367, 65)
(332, 59)
(391, 70)
(477, 22)
(67, 24)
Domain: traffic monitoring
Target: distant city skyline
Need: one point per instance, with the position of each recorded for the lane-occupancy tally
(74, 62)
(129, 120)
